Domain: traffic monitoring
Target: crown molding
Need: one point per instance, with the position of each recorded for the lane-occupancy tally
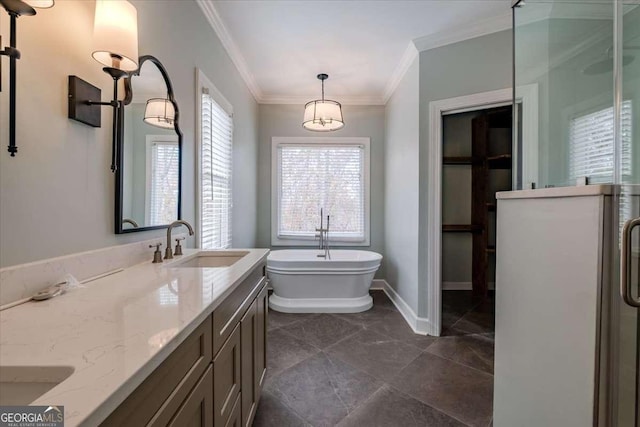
(469, 31)
(302, 99)
(409, 55)
(230, 46)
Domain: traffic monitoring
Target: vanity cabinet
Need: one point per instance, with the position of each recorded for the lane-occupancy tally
(226, 372)
(215, 376)
(254, 362)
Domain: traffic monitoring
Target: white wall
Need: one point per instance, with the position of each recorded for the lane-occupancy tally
(286, 120)
(401, 187)
(57, 194)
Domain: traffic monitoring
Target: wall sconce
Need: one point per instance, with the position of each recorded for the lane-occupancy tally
(160, 113)
(115, 39)
(15, 9)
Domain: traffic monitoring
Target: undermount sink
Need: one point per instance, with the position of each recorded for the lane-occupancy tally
(211, 259)
(21, 385)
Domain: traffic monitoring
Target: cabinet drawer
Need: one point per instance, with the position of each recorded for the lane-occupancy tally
(169, 384)
(226, 378)
(228, 314)
(197, 410)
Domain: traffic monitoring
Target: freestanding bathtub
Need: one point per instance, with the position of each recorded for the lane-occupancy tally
(304, 283)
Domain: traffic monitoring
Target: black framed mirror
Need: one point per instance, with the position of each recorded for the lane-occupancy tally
(149, 154)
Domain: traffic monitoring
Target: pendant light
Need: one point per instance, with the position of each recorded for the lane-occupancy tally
(323, 115)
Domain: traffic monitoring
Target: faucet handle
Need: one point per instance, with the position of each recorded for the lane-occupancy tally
(178, 250)
(157, 255)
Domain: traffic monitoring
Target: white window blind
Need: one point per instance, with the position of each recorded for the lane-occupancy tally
(162, 204)
(327, 176)
(591, 145)
(216, 159)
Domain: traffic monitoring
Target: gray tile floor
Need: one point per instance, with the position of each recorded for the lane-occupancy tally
(370, 369)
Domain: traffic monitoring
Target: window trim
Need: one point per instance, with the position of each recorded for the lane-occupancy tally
(276, 193)
(203, 82)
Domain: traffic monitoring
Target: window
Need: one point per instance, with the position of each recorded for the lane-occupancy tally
(591, 145)
(163, 157)
(311, 174)
(216, 139)
(591, 150)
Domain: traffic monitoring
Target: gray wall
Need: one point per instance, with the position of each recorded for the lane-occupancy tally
(286, 120)
(402, 186)
(56, 196)
(471, 66)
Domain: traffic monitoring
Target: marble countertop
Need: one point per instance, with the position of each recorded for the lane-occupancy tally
(116, 330)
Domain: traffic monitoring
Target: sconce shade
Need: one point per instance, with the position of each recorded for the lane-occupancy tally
(115, 34)
(323, 116)
(160, 112)
(40, 4)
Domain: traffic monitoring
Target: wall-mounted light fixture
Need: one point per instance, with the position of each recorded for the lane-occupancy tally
(160, 112)
(15, 9)
(323, 115)
(115, 41)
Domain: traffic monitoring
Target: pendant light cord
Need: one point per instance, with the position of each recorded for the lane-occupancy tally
(322, 90)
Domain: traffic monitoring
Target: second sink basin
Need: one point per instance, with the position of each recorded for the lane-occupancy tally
(21, 385)
(211, 259)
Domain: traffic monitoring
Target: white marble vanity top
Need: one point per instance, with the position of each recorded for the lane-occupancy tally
(116, 330)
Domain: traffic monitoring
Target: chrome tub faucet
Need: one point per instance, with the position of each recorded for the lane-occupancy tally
(323, 235)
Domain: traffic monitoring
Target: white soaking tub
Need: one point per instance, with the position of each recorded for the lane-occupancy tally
(305, 283)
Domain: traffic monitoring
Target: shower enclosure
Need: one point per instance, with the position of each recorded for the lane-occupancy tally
(584, 58)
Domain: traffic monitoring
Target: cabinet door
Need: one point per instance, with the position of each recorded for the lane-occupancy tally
(235, 420)
(226, 378)
(261, 339)
(197, 409)
(248, 335)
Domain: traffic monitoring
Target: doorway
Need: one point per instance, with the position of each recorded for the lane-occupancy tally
(477, 159)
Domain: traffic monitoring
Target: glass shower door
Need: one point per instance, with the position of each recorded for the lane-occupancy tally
(625, 318)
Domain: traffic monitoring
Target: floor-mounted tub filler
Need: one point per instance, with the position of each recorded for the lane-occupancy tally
(305, 283)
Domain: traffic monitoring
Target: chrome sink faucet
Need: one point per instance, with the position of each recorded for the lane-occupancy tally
(168, 254)
(323, 235)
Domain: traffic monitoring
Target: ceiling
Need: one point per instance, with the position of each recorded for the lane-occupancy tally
(365, 46)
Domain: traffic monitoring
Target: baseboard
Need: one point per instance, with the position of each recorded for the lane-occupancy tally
(419, 325)
(462, 286)
(378, 284)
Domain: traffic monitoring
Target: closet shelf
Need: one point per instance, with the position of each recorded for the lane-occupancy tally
(491, 207)
(503, 161)
(462, 228)
(491, 249)
(458, 160)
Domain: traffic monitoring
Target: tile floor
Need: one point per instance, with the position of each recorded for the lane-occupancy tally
(370, 369)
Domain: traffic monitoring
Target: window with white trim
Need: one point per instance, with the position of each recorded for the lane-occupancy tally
(314, 174)
(163, 157)
(215, 169)
(591, 145)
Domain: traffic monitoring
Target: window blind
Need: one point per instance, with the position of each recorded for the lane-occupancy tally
(216, 159)
(163, 186)
(591, 145)
(326, 176)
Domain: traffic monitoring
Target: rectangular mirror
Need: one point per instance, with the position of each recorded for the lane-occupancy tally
(148, 178)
